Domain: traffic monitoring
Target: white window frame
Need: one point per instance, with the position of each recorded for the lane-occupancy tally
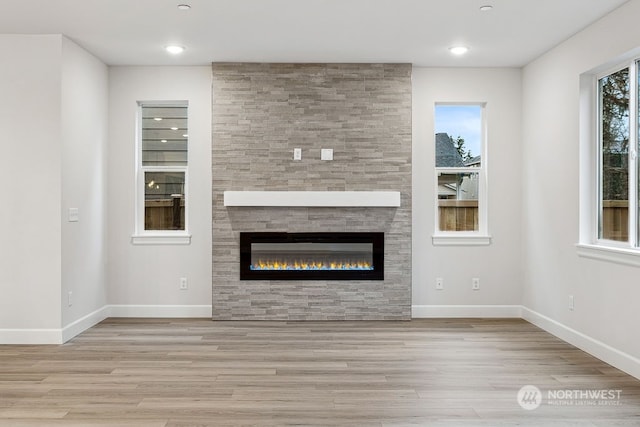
(590, 244)
(154, 237)
(633, 177)
(480, 237)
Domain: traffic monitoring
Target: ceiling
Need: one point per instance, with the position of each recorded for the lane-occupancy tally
(134, 32)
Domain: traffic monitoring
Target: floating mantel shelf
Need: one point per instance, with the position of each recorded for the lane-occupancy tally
(379, 199)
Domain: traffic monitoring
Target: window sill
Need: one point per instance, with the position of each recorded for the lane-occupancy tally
(161, 239)
(461, 240)
(624, 256)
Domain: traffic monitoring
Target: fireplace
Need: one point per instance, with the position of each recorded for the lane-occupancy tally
(311, 256)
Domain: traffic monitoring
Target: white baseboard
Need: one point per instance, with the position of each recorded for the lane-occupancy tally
(623, 361)
(30, 336)
(60, 336)
(468, 311)
(84, 323)
(53, 336)
(169, 311)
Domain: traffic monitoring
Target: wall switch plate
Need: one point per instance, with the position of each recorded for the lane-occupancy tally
(184, 285)
(439, 283)
(571, 303)
(297, 154)
(475, 284)
(326, 154)
(74, 215)
(70, 298)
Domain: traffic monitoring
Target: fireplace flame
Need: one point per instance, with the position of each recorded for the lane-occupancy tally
(310, 265)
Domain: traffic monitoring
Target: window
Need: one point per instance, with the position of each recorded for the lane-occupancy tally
(460, 174)
(163, 137)
(617, 164)
(609, 176)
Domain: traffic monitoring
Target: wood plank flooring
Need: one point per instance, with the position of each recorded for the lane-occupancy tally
(186, 372)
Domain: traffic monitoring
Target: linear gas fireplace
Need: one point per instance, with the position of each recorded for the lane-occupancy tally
(311, 256)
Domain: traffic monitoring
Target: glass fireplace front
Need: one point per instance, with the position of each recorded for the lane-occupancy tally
(311, 256)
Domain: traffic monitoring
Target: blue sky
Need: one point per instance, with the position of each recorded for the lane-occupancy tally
(461, 120)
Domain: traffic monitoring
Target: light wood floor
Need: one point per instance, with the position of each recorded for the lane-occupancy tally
(128, 372)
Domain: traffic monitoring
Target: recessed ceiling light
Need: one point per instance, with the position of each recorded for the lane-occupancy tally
(486, 8)
(184, 7)
(185, 135)
(459, 50)
(157, 119)
(163, 140)
(174, 49)
(174, 128)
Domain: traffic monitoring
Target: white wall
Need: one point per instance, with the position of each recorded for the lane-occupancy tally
(497, 265)
(606, 295)
(54, 122)
(30, 258)
(84, 158)
(144, 278)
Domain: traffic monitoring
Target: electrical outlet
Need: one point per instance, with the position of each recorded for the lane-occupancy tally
(297, 154)
(184, 285)
(475, 284)
(571, 303)
(439, 283)
(70, 298)
(74, 215)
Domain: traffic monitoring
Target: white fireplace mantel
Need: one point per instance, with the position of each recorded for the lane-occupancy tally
(380, 199)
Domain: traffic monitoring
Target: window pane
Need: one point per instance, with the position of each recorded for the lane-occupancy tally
(164, 136)
(637, 242)
(164, 200)
(614, 124)
(458, 135)
(458, 201)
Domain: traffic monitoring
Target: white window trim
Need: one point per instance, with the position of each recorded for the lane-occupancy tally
(157, 237)
(461, 238)
(481, 237)
(590, 246)
(622, 256)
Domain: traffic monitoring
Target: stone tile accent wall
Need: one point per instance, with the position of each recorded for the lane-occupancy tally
(261, 112)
